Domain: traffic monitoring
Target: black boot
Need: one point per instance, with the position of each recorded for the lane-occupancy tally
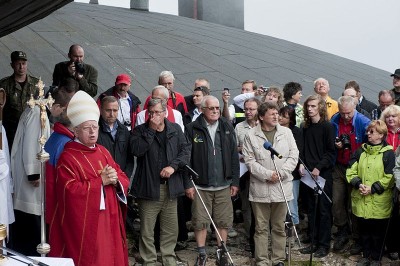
(341, 239)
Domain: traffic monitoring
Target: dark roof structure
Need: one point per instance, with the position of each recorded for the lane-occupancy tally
(143, 44)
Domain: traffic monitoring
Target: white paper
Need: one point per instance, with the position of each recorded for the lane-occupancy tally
(243, 168)
(309, 181)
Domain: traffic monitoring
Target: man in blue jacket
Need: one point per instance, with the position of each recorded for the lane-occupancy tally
(350, 127)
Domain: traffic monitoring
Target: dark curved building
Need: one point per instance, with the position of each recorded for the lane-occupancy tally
(142, 44)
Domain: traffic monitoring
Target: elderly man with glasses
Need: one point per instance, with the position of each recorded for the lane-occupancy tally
(214, 157)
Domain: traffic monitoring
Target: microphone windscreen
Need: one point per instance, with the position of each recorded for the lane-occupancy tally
(267, 145)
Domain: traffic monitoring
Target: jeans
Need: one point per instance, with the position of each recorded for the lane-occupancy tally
(293, 204)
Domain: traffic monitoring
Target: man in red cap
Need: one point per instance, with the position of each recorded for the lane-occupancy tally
(129, 104)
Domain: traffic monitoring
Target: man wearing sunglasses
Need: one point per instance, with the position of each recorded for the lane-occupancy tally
(214, 157)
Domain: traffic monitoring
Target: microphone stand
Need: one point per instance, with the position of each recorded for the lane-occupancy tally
(33, 261)
(224, 248)
(290, 224)
(317, 188)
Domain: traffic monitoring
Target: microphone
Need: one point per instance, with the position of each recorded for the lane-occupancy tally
(268, 146)
(193, 172)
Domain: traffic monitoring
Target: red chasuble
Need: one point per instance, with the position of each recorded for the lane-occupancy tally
(80, 230)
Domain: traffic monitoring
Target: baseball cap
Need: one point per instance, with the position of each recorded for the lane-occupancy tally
(123, 79)
(18, 55)
(396, 73)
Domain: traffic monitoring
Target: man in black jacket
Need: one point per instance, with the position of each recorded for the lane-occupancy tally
(214, 157)
(114, 136)
(75, 68)
(161, 149)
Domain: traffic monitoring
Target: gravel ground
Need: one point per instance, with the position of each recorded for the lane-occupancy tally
(236, 246)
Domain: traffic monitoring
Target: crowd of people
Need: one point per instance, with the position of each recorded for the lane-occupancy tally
(106, 147)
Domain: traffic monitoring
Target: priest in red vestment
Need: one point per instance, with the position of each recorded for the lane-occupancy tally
(90, 210)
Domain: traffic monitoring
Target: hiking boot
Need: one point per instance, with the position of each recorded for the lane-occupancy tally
(321, 252)
(355, 248)
(341, 239)
(201, 260)
(363, 262)
(222, 260)
(308, 250)
(393, 255)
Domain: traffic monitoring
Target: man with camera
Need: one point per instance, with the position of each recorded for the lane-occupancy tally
(85, 74)
(234, 112)
(350, 127)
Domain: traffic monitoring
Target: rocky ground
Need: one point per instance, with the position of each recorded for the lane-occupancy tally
(241, 257)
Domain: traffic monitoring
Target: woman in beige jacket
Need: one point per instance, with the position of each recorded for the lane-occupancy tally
(266, 196)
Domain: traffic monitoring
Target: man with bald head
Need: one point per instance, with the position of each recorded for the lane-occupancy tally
(321, 87)
(350, 132)
(174, 116)
(350, 91)
(75, 68)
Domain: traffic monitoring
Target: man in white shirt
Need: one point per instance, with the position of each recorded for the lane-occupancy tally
(174, 116)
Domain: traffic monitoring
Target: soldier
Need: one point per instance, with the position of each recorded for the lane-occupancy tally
(19, 87)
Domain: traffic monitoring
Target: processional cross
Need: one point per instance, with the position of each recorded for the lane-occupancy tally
(43, 248)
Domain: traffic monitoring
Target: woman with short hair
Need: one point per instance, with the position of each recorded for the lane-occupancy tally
(370, 173)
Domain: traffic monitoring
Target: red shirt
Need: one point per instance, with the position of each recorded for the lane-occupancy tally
(393, 139)
(343, 155)
(177, 102)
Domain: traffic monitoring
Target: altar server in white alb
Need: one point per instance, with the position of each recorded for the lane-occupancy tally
(25, 169)
(6, 184)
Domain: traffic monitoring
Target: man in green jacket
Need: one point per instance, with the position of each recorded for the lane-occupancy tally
(19, 87)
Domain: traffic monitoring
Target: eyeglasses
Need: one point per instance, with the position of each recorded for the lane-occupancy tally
(155, 112)
(371, 131)
(212, 108)
(89, 128)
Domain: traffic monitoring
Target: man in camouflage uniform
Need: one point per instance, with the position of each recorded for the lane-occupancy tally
(19, 87)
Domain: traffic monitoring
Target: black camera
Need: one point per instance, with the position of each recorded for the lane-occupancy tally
(79, 68)
(345, 140)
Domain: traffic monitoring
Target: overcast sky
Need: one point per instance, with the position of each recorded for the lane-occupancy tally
(366, 31)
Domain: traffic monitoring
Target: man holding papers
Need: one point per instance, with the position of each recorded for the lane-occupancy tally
(318, 156)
